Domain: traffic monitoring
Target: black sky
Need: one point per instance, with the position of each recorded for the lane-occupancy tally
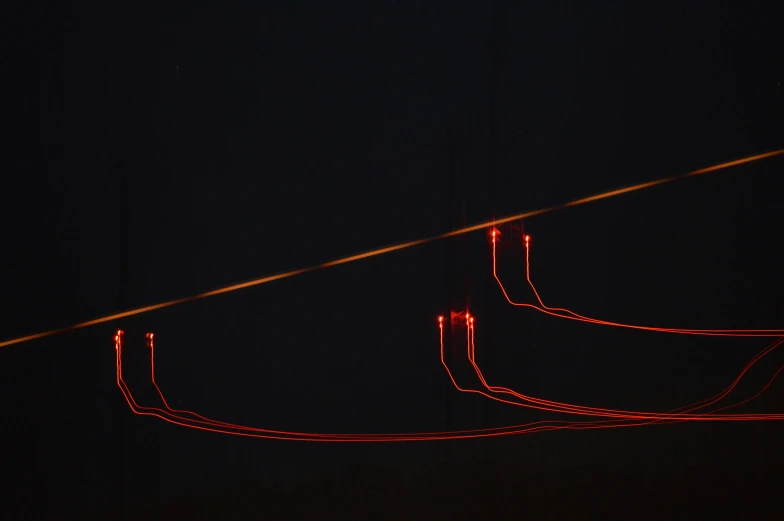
(162, 150)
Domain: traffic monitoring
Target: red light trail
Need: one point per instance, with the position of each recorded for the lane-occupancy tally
(176, 417)
(610, 418)
(562, 407)
(571, 315)
(547, 405)
(389, 249)
(190, 419)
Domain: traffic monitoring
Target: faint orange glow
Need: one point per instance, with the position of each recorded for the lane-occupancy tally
(388, 249)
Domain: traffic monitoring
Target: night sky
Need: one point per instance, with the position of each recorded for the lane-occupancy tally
(158, 151)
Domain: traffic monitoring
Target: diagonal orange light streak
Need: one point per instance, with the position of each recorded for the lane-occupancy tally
(388, 249)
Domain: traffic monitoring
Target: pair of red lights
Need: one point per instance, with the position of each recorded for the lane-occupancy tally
(497, 233)
(120, 333)
(469, 319)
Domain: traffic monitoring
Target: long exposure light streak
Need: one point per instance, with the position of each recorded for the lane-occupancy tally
(554, 406)
(233, 429)
(683, 409)
(388, 249)
(571, 315)
(177, 416)
(568, 314)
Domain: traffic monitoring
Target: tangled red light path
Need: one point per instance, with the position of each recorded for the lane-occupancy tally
(190, 419)
(678, 414)
(613, 418)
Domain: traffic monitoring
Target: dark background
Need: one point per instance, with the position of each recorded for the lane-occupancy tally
(160, 150)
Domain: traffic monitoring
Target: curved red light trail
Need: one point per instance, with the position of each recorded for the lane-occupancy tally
(618, 418)
(592, 411)
(571, 315)
(199, 422)
(613, 418)
(554, 406)
(206, 424)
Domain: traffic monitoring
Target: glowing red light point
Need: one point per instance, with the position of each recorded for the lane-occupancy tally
(440, 319)
(527, 238)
